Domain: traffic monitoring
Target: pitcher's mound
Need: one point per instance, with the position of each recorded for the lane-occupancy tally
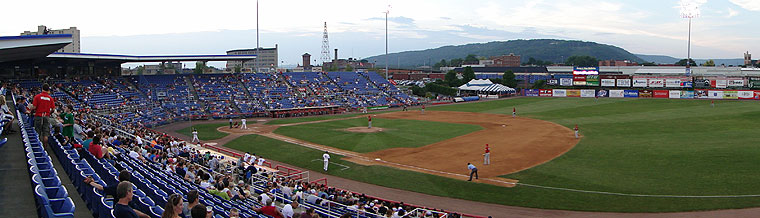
(364, 129)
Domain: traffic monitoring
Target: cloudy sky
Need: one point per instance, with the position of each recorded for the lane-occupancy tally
(724, 29)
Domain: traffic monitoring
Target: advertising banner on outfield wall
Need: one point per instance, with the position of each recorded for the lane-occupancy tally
(592, 80)
(623, 82)
(687, 94)
(674, 94)
(657, 83)
(640, 82)
(579, 80)
(701, 84)
(617, 94)
(645, 94)
(757, 95)
(559, 93)
(552, 82)
(566, 81)
(715, 94)
(602, 93)
(573, 93)
(631, 93)
(608, 82)
(661, 93)
(719, 83)
(745, 94)
(700, 93)
(531, 92)
(730, 95)
(588, 93)
(545, 92)
(736, 83)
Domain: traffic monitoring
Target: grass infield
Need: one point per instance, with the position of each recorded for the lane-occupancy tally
(638, 146)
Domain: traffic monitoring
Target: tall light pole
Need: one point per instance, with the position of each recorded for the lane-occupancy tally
(689, 10)
(255, 61)
(386, 41)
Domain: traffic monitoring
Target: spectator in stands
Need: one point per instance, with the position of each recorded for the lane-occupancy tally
(234, 213)
(6, 115)
(43, 106)
(86, 143)
(287, 210)
(173, 207)
(200, 211)
(192, 200)
(78, 131)
(67, 119)
(124, 195)
(309, 213)
(269, 210)
(96, 149)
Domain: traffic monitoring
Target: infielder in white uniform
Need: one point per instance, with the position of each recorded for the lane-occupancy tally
(195, 136)
(326, 158)
(243, 125)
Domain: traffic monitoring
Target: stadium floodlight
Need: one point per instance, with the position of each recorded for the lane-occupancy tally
(689, 9)
(386, 12)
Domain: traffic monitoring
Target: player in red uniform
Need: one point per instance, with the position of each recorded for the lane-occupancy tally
(423, 109)
(514, 112)
(487, 156)
(576, 130)
(369, 122)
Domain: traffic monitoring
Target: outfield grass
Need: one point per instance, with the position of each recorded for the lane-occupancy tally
(207, 131)
(315, 118)
(441, 186)
(397, 133)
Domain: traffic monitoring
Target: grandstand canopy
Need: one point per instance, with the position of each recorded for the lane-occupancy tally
(14, 48)
(484, 85)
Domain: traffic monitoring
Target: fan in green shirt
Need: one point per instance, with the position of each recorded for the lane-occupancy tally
(68, 123)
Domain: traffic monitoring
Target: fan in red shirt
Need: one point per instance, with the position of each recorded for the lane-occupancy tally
(269, 210)
(43, 106)
(95, 148)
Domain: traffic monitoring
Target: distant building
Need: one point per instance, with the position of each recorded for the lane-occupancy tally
(510, 60)
(617, 63)
(343, 64)
(266, 59)
(747, 59)
(70, 48)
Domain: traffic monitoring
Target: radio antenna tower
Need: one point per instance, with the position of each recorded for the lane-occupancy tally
(325, 47)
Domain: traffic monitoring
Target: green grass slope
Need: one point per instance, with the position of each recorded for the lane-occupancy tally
(208, 131)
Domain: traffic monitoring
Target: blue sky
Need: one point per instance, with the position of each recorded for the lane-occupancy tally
(725, 28)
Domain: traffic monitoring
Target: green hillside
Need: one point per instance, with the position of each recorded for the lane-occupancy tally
(541, 49)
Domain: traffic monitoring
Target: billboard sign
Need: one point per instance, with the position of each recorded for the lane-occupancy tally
(585, 70)
(645, 94)
(745, 94)
(687, 94)
(631, 93)
(579, 80)
(552, 82)
(624, 82)
(639, 82)
(662, 93)
(559, 93)
(608, 82)
(617, 93)
(588, 93)
(730, 95)
(602, 93)
(736, 83)
(592, 80)
(701, 83)
(674, 94)
(656, 83)
(719, 83)
(715, 94)
(531, 92)
(566, 81)
(573, 93)
(700, 93)
(545, 92)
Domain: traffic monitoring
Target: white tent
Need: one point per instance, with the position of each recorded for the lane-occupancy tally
(484, 85)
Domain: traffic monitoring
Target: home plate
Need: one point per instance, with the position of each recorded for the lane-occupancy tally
(377, 159)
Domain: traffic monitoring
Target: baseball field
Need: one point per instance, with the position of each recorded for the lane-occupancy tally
(636, 155)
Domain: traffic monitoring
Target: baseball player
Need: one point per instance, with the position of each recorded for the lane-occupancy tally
(712, 103)
(514, 112)
(230, 123)
(473, 170)
(195, 136)
(423, 109)
(326, 158)
(260, 161)
(369, 122)
(243, 124)
(576, 130)
(487, 156)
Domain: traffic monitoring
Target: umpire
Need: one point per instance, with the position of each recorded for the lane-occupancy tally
(473, 170)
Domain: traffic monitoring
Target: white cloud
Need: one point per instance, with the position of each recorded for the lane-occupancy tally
(731, 13)
(752, 5)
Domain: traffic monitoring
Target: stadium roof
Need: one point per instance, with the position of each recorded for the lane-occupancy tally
(14, 48)
(151, 58)
(42, 47)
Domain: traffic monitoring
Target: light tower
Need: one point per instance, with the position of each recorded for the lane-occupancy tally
(387, 11)
(325, 47)
(689, 10)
